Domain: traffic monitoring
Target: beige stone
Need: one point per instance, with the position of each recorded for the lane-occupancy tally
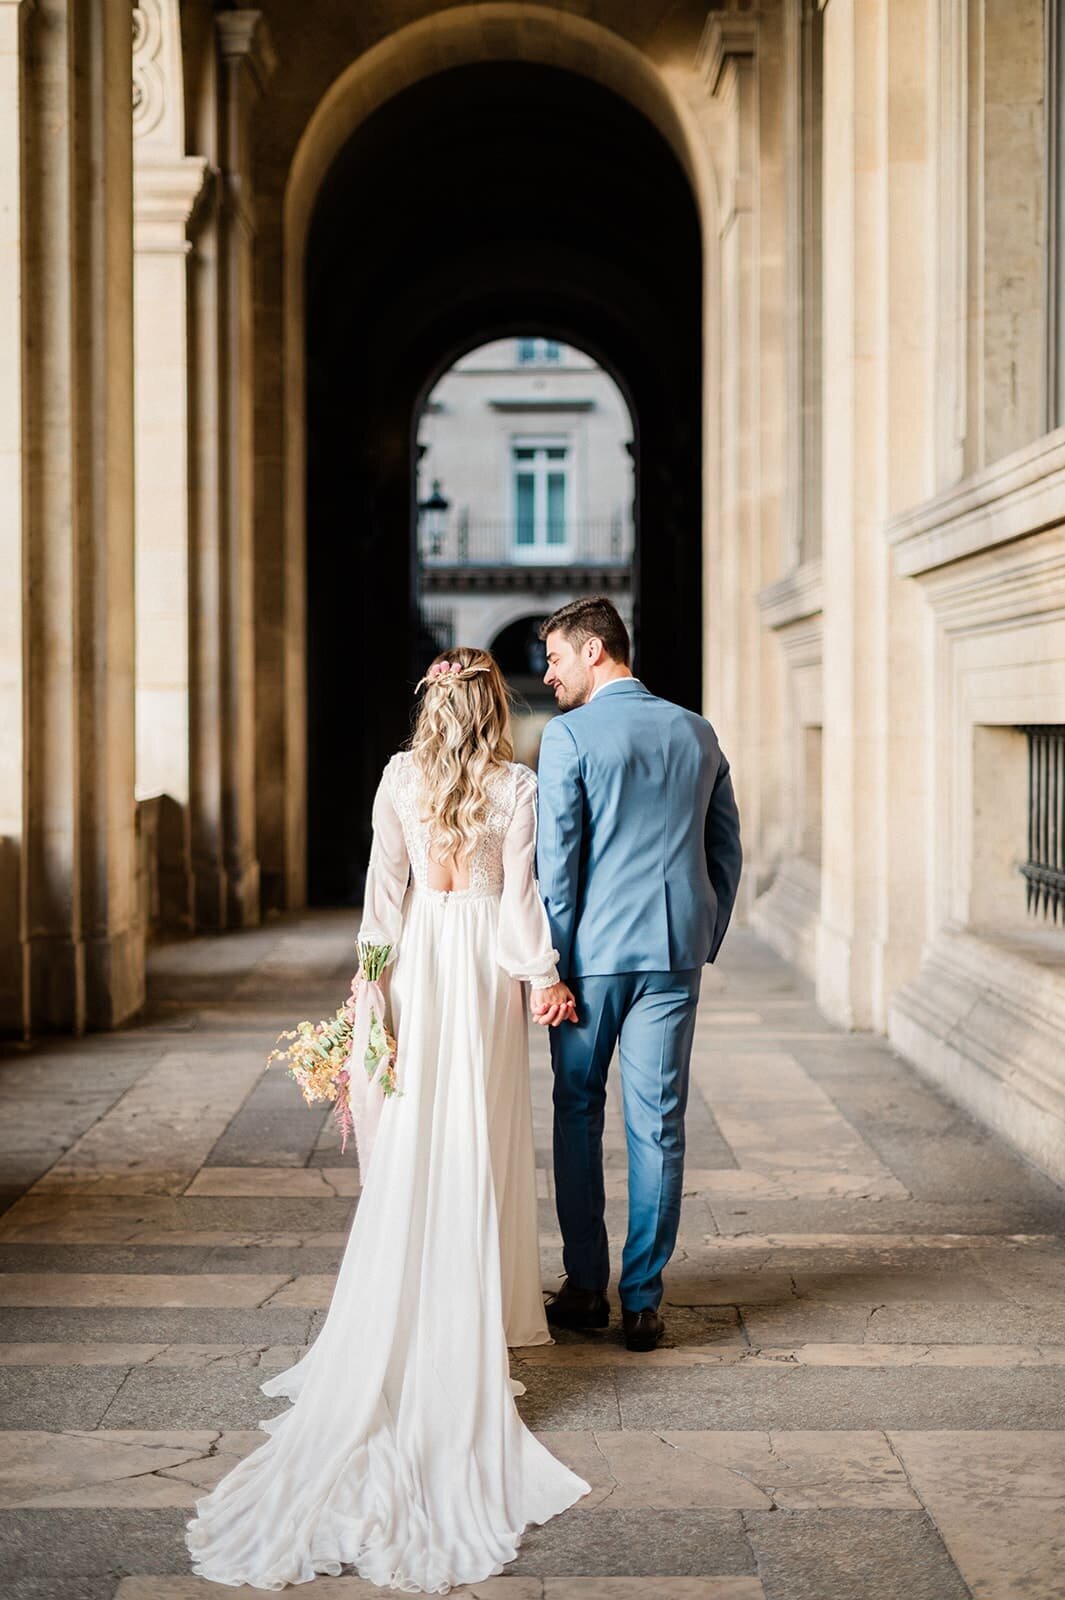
(998, 1500)
(779, 1122)
(158, 1134)
(291, 1182)
(156, 1289)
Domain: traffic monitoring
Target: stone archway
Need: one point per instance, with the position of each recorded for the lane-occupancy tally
(494, 32)
(409, 258)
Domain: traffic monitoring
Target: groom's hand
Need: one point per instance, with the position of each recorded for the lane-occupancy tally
(554, 1005)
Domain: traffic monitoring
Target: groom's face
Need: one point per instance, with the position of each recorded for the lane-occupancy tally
(568, 673)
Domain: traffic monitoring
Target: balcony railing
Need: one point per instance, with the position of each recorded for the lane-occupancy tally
(606, 541)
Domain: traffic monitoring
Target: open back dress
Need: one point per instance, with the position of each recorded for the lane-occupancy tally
(403, 1454)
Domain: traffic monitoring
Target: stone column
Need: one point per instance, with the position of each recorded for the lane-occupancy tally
(13, 950)
(246, 62)
(167, 187)
(748, 507)
(85, 946)
(854, 251)
(878, 458)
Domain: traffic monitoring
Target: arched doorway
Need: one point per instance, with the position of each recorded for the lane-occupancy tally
(431, 233)
(524, 489)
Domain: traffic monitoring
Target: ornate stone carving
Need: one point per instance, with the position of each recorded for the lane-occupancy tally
(149, 80)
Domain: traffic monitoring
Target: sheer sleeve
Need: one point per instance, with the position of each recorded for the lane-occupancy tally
(388, 873)
(524, 947)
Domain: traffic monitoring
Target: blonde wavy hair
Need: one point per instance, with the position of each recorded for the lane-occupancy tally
(461, 737)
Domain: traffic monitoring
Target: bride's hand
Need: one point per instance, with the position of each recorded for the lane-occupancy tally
(552, 1006)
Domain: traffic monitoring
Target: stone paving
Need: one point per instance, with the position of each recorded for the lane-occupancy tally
(863, 1392)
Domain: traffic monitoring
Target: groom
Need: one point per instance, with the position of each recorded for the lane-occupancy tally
(638, 858)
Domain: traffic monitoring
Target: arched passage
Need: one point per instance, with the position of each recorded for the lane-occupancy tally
(513, 196)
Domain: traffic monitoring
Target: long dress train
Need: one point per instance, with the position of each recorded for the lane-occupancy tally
(403, 1453)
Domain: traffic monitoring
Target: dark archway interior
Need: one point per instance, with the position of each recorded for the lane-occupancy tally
(488, 200)
(522, 658)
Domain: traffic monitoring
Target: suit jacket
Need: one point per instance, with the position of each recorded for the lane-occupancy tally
(638, 848)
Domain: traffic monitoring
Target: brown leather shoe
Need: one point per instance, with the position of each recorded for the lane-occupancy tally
(573, 1307)
(643, 1329)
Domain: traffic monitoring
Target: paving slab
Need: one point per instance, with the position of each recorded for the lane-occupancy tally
(158, 1325)
(786, 1396)
(854, 1555)
(637, 1543)
(998, 1499)
(92, 1544)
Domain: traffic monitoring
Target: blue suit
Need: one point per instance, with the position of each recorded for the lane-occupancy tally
(638, 856)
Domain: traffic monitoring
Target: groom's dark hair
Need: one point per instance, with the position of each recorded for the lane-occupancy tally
(594, 617)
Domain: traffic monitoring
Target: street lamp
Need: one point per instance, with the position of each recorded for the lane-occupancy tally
(432, 513)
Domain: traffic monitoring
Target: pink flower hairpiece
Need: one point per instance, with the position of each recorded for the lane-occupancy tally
(451, 670)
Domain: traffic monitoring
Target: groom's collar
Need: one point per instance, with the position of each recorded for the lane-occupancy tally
(616, 684)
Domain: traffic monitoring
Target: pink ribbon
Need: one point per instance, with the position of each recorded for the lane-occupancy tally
(365, 1098)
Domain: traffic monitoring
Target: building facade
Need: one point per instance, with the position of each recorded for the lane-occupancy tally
(525, 500)
(819, 244)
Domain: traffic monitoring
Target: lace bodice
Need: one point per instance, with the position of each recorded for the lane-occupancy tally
(501, 867)
(486, 862)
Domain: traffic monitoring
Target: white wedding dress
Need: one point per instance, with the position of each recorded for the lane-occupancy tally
(403, 1453)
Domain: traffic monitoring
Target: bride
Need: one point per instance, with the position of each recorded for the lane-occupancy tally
(403, 1453)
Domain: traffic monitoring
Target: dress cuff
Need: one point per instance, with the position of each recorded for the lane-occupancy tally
(544, 980)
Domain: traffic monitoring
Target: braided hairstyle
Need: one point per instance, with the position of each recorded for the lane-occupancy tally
(461, 737)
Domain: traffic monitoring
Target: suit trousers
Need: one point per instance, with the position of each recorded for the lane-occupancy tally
(650, 1017)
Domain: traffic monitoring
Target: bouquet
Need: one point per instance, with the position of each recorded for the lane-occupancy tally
(325, 1057)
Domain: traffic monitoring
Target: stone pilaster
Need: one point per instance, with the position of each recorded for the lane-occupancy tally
(246, 63)
(84, 944)
(878, 362)
(167, 188)
(13, 947)
(729, 62)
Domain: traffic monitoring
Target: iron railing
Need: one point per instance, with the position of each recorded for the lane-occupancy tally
(439, 622)
(1044, 871)
(463, 542)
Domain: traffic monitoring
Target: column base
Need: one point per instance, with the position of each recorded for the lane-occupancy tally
(211, 888)
(14, 965)
(242, 897)
(786, 914)
(177, 885)
(272, 892)
(114, 978)
(832, 976)
(56, 985)
(984, 1019)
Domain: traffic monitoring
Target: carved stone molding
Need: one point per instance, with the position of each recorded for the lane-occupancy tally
(725, 38)
(797, 595)
(1023, 493)
(166, 194)
(243, 36)
(158, 88)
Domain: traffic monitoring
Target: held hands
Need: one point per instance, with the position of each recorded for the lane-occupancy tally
(554, 1005)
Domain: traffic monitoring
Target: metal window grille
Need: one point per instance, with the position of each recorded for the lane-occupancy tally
(1044, 871)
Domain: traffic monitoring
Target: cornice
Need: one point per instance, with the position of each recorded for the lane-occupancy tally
(1022, 494)
(166, 194)
(797, 595)
(1023, 582)
(723, 39)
